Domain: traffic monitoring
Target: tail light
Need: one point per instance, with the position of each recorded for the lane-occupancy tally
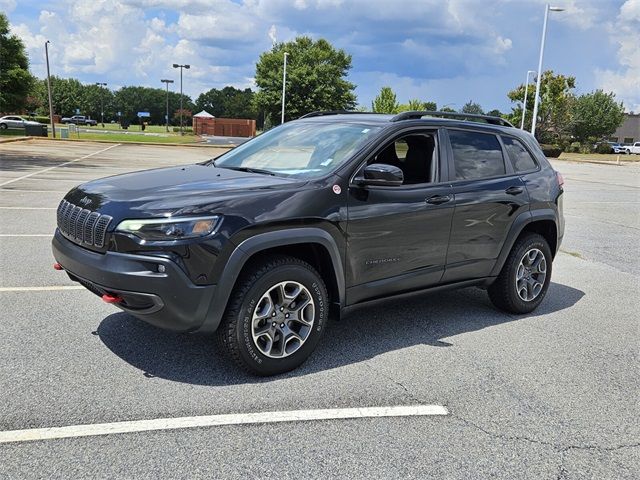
(560, 178)
(108, 298)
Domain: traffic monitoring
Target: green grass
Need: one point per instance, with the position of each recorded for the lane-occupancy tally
(124, 137)
(12, 132)
(132, 128)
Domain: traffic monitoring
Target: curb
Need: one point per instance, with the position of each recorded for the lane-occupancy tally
(18, 139)
(596, 162)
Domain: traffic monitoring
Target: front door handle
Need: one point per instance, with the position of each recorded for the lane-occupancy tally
(514, 190)
(438, 199)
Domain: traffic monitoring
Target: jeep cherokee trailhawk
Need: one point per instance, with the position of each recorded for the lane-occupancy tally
(335, 209)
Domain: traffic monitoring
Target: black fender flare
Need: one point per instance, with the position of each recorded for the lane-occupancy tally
(518, 225)
(258, 243)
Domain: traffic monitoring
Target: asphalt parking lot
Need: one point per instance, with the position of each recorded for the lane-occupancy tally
(549, 395)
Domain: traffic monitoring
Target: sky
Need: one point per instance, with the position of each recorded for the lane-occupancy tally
(445, 51)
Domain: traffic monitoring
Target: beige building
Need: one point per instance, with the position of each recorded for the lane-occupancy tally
(629, 131)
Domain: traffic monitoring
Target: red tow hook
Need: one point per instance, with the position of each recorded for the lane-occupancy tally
(57, 266)
(108, 298)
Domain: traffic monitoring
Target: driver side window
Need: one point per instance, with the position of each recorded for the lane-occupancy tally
(415, 154)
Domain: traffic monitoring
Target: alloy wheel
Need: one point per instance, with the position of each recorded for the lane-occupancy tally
(282, 320)
(531, 275)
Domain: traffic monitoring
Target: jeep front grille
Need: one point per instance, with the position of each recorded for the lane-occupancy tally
(82, 225)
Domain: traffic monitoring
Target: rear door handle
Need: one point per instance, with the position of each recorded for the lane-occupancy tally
(438, 199)
(514, 190)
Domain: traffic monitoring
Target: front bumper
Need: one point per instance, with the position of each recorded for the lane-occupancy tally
(168, 300)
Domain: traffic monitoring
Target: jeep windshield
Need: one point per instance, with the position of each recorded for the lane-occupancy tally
(302, 150)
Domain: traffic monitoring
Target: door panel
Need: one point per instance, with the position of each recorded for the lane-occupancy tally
(396, 239)
(484, 212)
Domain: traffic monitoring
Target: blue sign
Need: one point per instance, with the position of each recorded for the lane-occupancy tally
(144, 114)
(119, 113)
(77, 111)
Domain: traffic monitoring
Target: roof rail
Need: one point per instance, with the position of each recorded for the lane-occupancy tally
(460, 116)
(329, 112)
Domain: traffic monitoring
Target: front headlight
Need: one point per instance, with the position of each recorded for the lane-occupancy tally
(154, 229)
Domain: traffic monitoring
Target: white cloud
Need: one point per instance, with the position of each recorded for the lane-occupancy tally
(625, 82)
(8, 5)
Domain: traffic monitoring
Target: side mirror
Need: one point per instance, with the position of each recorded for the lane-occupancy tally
(381, 174)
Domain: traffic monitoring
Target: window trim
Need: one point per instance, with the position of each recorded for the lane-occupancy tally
(414, 130)
(508, 167)
(526, 147)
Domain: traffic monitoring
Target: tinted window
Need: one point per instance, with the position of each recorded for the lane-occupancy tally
(476, 155)
(520, 158)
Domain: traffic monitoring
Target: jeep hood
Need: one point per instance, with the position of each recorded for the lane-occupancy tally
(189, 190)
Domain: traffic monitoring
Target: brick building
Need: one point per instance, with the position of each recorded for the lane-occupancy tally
(206, 124)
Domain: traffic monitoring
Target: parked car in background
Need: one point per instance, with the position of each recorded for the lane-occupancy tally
(14, 121)
(79, 120)
(635, 148)
(616, 147)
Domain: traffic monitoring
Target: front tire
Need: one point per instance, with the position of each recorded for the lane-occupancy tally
(525, 276)
(3, 126)
(276, 316)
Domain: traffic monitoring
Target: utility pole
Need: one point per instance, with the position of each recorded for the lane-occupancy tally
(53, 125)
(100, 84)
(167, 81)
(284, 84)
(548, 8)
(175, 65)
(524, 104)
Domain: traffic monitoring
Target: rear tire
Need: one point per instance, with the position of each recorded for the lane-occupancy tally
(525, 276)
(3, 126)
(276, 316)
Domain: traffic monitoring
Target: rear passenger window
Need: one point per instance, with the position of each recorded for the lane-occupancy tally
(476, 155)
(520, 158)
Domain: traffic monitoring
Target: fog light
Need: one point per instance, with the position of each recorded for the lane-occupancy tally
(161, 268)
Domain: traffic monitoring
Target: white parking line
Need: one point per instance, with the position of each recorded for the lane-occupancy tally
(218, 420)
(56, 166)
(28, 208)
(42, 289)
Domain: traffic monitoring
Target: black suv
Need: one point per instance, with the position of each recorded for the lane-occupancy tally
(335, 209)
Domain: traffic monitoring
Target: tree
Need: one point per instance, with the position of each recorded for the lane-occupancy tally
(229, 102)
(417, 105)
(596, 115)
(448, 109)
(472, 107)
(495, 113)
(385, 102)
(131, 100)
(554, 110)
(316, 79)
(15, 80)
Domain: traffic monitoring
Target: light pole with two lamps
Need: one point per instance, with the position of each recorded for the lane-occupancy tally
(167, 81)
(175, 65)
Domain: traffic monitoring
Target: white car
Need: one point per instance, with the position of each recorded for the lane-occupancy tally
(635, 148)
(14, 121)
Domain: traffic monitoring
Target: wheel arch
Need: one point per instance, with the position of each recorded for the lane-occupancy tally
(313, 245)
(543, 222)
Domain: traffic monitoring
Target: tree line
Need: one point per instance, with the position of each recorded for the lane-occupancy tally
(316, 80)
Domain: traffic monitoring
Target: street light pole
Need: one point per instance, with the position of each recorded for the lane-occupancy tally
(524, 104)
(547, 9)
(100, 84)
(175, 65)
(284, 85)
(53, 125)
(167, 81)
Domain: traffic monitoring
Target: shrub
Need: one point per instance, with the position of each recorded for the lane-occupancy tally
(573, 147)
(184, 129)
(603, 147)
(551, 151)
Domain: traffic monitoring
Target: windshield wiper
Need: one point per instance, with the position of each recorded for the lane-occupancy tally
(248, 169)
